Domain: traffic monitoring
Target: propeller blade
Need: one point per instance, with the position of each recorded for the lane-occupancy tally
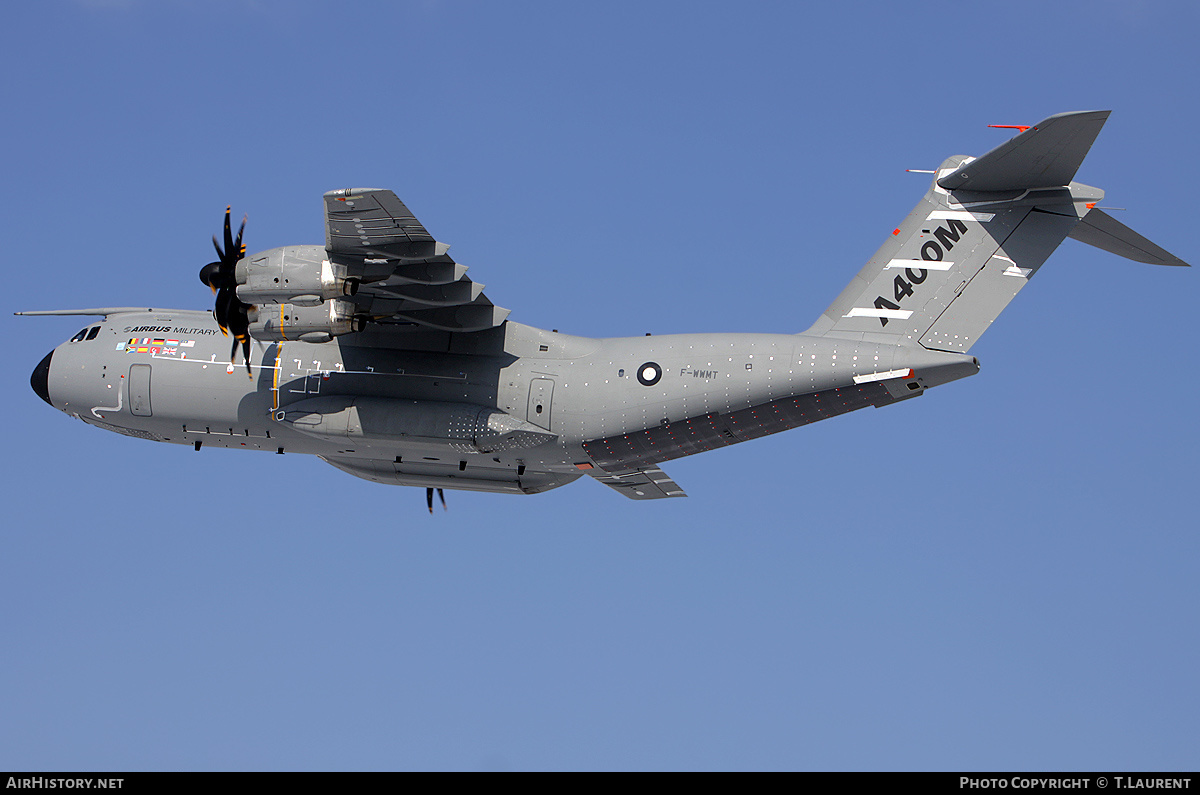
(239, 248)
(231, 313)
(228, 237)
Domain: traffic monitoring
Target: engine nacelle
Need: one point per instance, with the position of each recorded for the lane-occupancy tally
(300, 275)
(321, 323)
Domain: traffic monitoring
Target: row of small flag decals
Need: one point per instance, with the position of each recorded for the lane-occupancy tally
(153, 345)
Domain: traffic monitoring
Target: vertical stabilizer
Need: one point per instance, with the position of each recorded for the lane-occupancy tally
(981, 232)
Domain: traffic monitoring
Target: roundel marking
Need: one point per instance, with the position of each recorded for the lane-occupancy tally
(649, 374)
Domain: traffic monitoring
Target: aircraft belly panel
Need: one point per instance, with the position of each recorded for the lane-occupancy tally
(699, 434)
(436, 475)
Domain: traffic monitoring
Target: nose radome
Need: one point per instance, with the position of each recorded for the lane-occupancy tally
(40, 380)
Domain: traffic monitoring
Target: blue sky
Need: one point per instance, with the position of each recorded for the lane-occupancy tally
(1000, 575)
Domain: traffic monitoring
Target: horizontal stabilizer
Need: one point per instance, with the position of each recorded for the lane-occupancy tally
(1044, 156)
(1101, 230)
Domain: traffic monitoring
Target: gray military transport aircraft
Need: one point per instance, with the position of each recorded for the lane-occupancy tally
(377, 353)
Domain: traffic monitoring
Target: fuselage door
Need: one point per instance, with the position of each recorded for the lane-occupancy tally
(139, 390)
(541, 393)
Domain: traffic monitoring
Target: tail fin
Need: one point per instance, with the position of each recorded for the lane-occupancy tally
(981, 232)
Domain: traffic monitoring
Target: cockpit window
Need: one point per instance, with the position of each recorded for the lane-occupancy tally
(86, 334)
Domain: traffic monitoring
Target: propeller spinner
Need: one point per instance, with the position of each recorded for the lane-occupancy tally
(230, 311)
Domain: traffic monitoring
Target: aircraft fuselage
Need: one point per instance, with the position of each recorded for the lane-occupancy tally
(514, 409)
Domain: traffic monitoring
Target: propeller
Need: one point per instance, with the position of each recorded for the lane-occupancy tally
(230, 311)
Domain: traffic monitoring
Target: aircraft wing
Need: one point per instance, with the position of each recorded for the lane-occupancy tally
(408, 281)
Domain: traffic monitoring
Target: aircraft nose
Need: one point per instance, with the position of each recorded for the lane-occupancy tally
(40, 380)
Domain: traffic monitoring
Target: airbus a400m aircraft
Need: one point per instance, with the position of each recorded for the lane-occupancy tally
(379, 354)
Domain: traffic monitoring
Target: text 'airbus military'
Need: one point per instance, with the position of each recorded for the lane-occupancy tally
(380, 355)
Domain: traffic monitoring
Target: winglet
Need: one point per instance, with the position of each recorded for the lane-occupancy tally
(1044, 156)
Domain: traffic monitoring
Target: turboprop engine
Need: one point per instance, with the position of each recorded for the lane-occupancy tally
(320, 323)
(300, 275)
